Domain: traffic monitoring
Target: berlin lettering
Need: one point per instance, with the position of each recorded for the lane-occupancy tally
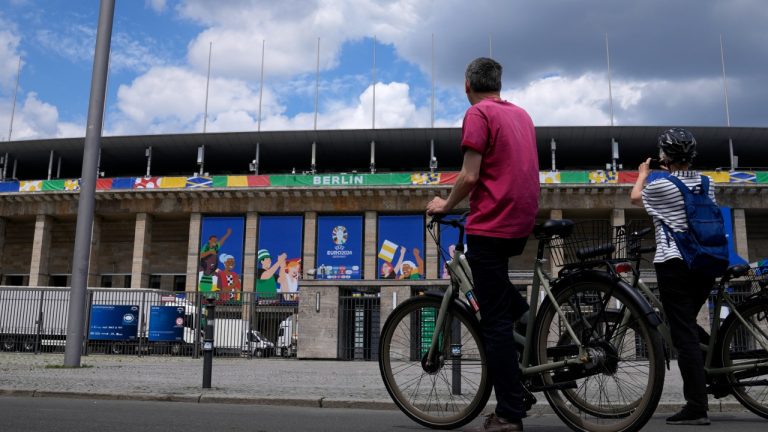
(332, 180)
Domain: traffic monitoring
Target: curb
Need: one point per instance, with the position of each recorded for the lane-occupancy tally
(539, 409)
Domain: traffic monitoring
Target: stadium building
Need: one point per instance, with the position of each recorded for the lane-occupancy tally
(333, 217)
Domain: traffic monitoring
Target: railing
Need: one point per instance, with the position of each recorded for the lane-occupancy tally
(149, 322)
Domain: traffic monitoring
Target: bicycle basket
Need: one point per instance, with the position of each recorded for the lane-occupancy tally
(757, 279)
(588, 242)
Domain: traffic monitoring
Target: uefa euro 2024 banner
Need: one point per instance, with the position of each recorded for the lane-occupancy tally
(339, 247)
(220, 264)
(401, 247)
(448, 238)
(278, 256)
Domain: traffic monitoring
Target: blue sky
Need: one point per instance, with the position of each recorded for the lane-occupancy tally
(665, 61)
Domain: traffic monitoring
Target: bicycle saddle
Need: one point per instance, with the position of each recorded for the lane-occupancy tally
(736, 271)
(553, 227)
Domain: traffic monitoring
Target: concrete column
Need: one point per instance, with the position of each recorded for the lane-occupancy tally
(391, 297)
(310, 241)
(142, 246)
(318, 332)
(2, 247)
(193, 250)
(617, 217)
(556, 214)
(41, 246)
(370, 246)
(431, 258)
(740, 234)
(94, 273)
(249, 256)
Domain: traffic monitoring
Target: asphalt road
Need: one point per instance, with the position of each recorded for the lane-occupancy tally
(22, 414)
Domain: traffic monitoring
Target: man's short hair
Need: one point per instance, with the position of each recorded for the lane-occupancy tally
(484, 75)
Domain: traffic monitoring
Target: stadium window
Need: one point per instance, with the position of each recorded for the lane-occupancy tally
(180, 283)
(155, 281)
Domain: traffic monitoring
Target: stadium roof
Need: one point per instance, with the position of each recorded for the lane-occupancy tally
(578, 147)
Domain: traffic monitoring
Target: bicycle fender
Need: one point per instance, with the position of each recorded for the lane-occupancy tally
(463, 306)
(600, 276)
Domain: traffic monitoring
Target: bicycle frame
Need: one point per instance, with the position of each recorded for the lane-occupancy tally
(721, 299)
(461, 282)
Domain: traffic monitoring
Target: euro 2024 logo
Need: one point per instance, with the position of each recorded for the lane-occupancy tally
(339, 236)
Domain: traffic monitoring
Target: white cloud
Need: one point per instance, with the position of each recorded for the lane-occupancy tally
(9, 55)
(35, 119)
(158, 6)
(565, 101)
(172, 99)
(76, 43)
(290, 29)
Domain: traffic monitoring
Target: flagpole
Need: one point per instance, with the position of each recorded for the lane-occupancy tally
(317, 81)
(76, 323)
(207, 84)
(13, 109)
(490, 45)
(373, 120)
(261, 84)
(610, 89)
(433, 82)
(727, 109)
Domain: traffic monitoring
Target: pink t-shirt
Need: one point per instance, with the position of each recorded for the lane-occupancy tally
(505, 199)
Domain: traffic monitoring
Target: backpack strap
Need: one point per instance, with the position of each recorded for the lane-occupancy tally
(685, 192)
(705, 185)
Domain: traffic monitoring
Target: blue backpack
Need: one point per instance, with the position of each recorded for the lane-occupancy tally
(704, 246)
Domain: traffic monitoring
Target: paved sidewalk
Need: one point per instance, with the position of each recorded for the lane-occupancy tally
(316, 383)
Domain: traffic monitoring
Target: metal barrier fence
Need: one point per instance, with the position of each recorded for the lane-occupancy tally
(359, 323)
(150, 322)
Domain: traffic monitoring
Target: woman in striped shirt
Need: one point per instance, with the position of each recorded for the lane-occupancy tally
(683, 292)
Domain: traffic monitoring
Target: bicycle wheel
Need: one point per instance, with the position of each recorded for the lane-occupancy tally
(619, 388)
(452, 392)
(739, 347)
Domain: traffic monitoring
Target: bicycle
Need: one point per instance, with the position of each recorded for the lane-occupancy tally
(736, 350)
(432, 357)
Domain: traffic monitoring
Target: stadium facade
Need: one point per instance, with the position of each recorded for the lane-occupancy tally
(331, 215)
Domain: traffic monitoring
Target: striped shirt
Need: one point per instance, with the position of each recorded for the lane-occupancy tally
(664, 203)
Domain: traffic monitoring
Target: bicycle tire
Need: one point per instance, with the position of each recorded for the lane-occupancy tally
(620, 391)
(733, 340)
(429, 397)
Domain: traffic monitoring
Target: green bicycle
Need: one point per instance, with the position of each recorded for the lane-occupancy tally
(580, 346)
(736, 347)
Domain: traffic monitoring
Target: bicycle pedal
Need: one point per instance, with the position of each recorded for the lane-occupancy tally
(529, 400)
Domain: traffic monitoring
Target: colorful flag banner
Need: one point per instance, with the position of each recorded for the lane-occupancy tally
(123, 183)
(549, 177)
(72, 185)
(198, 182)
(172, 182)
(9, 186)
(743, 177)
(146, 183)
(30, 185)
(425, 178)
(718, 176)
(387, 252)
(574, 177)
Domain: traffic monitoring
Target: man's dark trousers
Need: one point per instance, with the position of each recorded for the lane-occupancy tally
(500, 306)
(682, 293)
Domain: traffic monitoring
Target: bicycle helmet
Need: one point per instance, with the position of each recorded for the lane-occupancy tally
(678, 145)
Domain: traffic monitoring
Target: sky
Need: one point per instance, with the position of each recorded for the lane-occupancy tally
(665, 63)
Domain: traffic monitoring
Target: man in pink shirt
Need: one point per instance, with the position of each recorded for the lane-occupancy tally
(500, 174)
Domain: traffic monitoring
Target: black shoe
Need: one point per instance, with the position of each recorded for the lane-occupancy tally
(494, 423)
(689, 417)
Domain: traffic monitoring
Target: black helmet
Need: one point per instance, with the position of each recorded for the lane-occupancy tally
(678, 145)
